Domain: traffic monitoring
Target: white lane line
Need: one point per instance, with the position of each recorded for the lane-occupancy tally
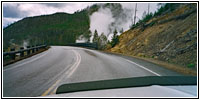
(143, 67)
(25, 62)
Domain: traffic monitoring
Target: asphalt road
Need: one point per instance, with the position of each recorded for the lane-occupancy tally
(41, 74)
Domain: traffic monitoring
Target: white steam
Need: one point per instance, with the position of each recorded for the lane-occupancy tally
(81, 39)
(107, 19)
(25, 44)
(101, 21)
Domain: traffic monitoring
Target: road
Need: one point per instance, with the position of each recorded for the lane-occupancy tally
(41, 74)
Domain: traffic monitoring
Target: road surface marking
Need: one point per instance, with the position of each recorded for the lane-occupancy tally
(143, 67)
(75, 66)
(46, 92)
(26, 62)
(54, 91)
(71, 70)
(68, 73)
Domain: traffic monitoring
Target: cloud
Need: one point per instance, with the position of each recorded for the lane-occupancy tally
(13, 11)
(22, 10)
(8, 21)
(56, 5)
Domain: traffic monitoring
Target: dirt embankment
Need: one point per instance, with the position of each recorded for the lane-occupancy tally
(172, 38)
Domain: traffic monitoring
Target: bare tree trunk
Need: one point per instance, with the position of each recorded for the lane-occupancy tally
(131, 20)
(148, 8)
(135, 13)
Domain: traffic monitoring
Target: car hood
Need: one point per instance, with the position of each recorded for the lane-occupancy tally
(146, 91)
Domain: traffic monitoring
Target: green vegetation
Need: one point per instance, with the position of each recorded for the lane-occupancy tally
(95, 38)
(168, 7)
(100, 40)
(147, 17)
(115, 39)
(165, 8)
(55, 29)
(191, 65)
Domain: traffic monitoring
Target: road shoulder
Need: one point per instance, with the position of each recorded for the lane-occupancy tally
(173, 67)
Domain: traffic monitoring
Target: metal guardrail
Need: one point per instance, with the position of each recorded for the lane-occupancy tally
(89, 45)
(29, 50)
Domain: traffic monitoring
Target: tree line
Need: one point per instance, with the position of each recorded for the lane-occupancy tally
(103, 42)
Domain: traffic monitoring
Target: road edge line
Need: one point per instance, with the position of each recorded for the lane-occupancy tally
(143, 67)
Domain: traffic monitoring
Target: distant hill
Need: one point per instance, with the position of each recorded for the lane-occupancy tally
(55, 29)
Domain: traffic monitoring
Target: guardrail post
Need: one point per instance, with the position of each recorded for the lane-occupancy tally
(22, 52)
(37, 49)
(33, 49)
(28, 51)
(96, 46)
(45, 46)
(12, 55)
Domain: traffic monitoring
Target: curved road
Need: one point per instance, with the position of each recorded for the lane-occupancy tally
(41, 74)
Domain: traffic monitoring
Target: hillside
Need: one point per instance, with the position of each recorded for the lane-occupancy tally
(170, 36)
(55, 29)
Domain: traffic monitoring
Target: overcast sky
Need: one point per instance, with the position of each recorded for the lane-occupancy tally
(15, 11)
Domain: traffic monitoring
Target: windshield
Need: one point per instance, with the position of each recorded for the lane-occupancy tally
(63, 47)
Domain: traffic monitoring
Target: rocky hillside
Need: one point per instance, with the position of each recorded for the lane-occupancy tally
(170, 37)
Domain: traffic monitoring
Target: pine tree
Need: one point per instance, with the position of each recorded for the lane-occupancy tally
(95, 38)
(102, 41)
(115, 38)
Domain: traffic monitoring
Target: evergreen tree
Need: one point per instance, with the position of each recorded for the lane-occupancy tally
(115, 38)
(95, 38)
(87, 35)
(144, 14)
(102, 41)
(103, 38)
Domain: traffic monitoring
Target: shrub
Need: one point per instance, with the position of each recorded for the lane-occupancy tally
(167, 7)
(147, 17)
(152, 23)
(115, 41)
(191, 65)
(115, 38)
